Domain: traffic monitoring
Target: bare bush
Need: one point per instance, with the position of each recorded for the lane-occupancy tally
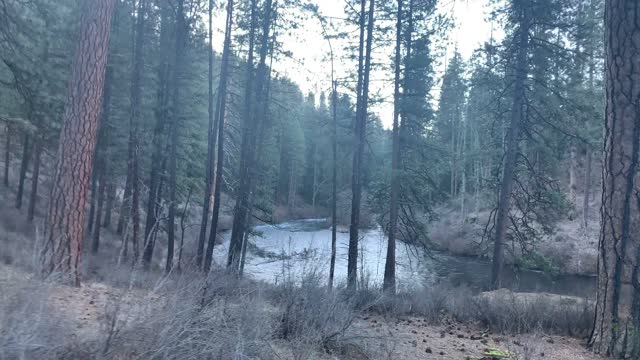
(516, 313)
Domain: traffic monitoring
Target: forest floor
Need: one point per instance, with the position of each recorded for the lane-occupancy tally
(85, 316)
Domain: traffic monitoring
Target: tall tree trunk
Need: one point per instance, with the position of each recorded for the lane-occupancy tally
(24, 166)
(100, 167)
(211, 144)
(65, 225)
(220, 114)
(617, 319)
(587, 189)
(389, 283)
(183, 227)
(93, 191)
(124, 206)
(157, 162)
(573, 186)
(95, 236)
(181, 38)
(33, 197)
(360, 133)
(7, 156)
(334, 176)
(134, 124)
(512, 142)
(111, 197)
(249, 138)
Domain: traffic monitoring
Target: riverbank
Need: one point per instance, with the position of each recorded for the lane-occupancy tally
(569, 249)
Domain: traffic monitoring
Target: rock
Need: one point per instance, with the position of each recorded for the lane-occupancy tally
(428, 351)
(460, 336)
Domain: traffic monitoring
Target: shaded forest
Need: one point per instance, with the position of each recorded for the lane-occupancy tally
(169, 144)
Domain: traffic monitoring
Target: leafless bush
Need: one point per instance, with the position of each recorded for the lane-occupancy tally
(432, 303)
(194, 322)
(513, 313)
(312, 318)
(29, 328)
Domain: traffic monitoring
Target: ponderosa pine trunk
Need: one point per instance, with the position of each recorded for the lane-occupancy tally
(35, 175)
(24, 166)
(181, 38)
(389, 283)
(360, 138)
(64, 231)
(616, 330)
(512, 144)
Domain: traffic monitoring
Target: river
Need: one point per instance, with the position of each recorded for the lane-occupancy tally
(299, 247)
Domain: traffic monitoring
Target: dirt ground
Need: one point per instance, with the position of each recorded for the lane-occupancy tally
(413, 338)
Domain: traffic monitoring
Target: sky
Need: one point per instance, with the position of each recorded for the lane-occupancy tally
(310, 66)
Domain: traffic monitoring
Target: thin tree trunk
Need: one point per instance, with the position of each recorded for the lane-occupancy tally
(24, 166)
(157, 162)
(183, 227)
(356, 177)
(124, 206)
(7, 156)
(389, 283)
(587, 189)
(111, 197)
(616, 324)
(64, 231)
(220, 121)
(512, 142)
(211, 145)
(95, 238)
(249, 141)
(573, 187)
(181, 38)
(134, 123)
(33, 197)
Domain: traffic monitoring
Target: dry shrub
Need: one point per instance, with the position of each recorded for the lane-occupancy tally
(29, 326)
(514, 313)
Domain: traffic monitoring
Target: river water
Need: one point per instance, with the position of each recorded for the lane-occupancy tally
(301, 247)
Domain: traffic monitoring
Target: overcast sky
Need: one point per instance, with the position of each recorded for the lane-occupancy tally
(310, 67)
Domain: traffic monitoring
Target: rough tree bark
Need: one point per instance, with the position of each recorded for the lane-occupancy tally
(389, 283)
(617, 321)
(360, 137)
(512, 142)
(64, 231)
